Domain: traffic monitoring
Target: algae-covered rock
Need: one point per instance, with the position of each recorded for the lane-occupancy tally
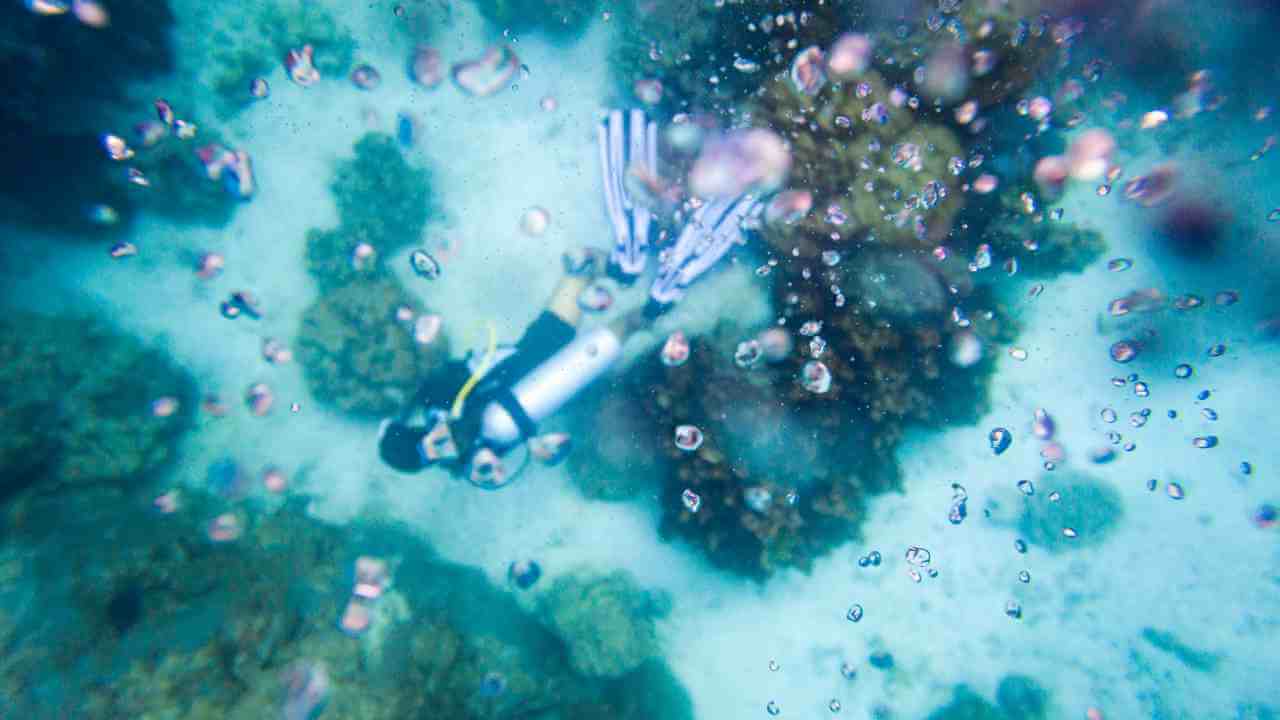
(357, 355)
(606, 622)
(1088, 506)
(77, 403)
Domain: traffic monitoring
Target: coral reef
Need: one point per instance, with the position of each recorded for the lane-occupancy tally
(1015, 40)
(606, 622)
(808, 470)
(78, 404)
(1089, 506)
(557, 19)
(219, 630)
(357, 356)
(877, 178)
(246, 41)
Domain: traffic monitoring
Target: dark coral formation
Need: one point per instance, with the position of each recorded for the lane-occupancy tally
(77, 404)
(149, 619)
(357, 356)
(762, 437)
(557, 19)
(383, 202)
(63, 80)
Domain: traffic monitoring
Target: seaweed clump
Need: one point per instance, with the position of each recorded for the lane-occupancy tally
(78, 404)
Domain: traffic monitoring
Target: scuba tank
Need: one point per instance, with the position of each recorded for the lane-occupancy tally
(553, 383)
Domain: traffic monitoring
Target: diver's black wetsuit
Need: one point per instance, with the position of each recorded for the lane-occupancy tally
(546, 336)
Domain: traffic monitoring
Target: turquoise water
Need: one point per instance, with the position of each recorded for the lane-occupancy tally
(960, 409)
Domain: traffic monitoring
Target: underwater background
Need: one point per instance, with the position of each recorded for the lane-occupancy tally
(1031, 243)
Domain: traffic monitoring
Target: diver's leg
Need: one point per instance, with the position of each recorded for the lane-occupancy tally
(564, 299)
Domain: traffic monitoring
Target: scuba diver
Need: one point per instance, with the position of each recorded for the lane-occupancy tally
(472, 413)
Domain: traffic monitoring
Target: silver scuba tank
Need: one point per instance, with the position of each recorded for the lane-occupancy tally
(553, 383)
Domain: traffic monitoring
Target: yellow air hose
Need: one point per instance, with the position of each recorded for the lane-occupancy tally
(458, 400)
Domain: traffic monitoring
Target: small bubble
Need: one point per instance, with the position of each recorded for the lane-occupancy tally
(1209, 414)
(1020, 545)
(1018, 353)
(1202, 395)
(1246, 468)
(834, 705)
(772, 708)
(848, 671)
(1174, 490)
(1141, 389)
(1026, 487)
(875, 558)
(1055, 496)
(999, 439)
(1151, 485)
(864, 561)
(1217, 350)
(854, 614)
(1070, 533)
(774, 666)
(1013, 609)
(1205, 442)
(1024, 576)
(1274, 215)
(1183, 371)
(1108, 415)
(1119, 264)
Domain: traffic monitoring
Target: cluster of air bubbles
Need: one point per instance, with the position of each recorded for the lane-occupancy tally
(871, 559)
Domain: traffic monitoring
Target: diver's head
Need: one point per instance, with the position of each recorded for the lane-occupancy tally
(399, 446)
(409, 449)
